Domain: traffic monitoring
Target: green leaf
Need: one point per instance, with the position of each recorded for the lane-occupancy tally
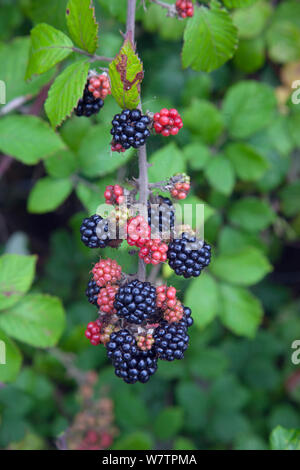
(241, 312)
(48, 11)
(126, 74)
(285, 439)
(48, 47)
(250, 55)
(204, 120)
(65, 92)
(245, 267)
(61, 164)
(220, 174)
(251, 214)
(14, 59)
(252, 21)
(248, 163)
(238, 3)
(10, 354)
(194, 401)
(283, 41)
(16, 276)
(130, 410)
(95, 158)
(210, 38)
(48, 194)
(202, 297)
(168, 423)
(166, 162)
(290, 199)
(232, 240)
(28, 138)
(248, 107)
(169, 29)
(197, 155)
(135, 441)
(182, 443)
(37, 320)
(82, 24)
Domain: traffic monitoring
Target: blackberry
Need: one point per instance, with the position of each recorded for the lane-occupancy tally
(88, 104)
(187, 319)
(94, 232)
(92, 292)
(130, 363)
(188, 256)
(170, 341)
(130, 129)
(136, 301)
(162, 218)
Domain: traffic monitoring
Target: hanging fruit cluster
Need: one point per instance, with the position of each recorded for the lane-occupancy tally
(138, 322)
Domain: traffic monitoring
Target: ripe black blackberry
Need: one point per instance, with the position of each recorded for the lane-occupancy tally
(95, 232)
(187, 319)
(131, 364)
(130, 129)
(88, 104)
(92, 292)
(136, 301)
(170, 341)
(188, 256)
(162, 218)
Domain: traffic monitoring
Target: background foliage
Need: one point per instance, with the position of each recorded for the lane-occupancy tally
(240, 144)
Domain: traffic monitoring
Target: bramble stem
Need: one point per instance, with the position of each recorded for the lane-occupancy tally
(142, 153)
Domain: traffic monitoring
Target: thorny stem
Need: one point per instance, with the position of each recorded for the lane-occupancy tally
(168, 6)
(142, 153)
(94, 57)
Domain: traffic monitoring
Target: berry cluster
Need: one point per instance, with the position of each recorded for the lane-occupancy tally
(92, 332)
(94, 232)
(181, 188)
(140, 323)
(161, 217)
(136, 302)
(188, 256)
(114, 194)
(167, 122)
(99, 86)
(130, 129)
(185, 8)
(88, 104)
(138, 231)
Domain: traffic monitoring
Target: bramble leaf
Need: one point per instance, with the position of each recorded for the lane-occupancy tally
(210, 38)
(82, 24)
(65, 92)
(38, 320)
(48, 47)
(16, 277)
(126, 74)
(33, 138)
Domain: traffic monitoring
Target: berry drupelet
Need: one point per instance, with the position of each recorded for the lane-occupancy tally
(130, 129)
(136, 301)
(92, 292)
(95, 232)
(88, 104)
(170, 341)
(187, 319)
(131, 364)
(188, 256)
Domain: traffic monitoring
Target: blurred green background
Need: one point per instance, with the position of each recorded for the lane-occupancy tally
(240, 145)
